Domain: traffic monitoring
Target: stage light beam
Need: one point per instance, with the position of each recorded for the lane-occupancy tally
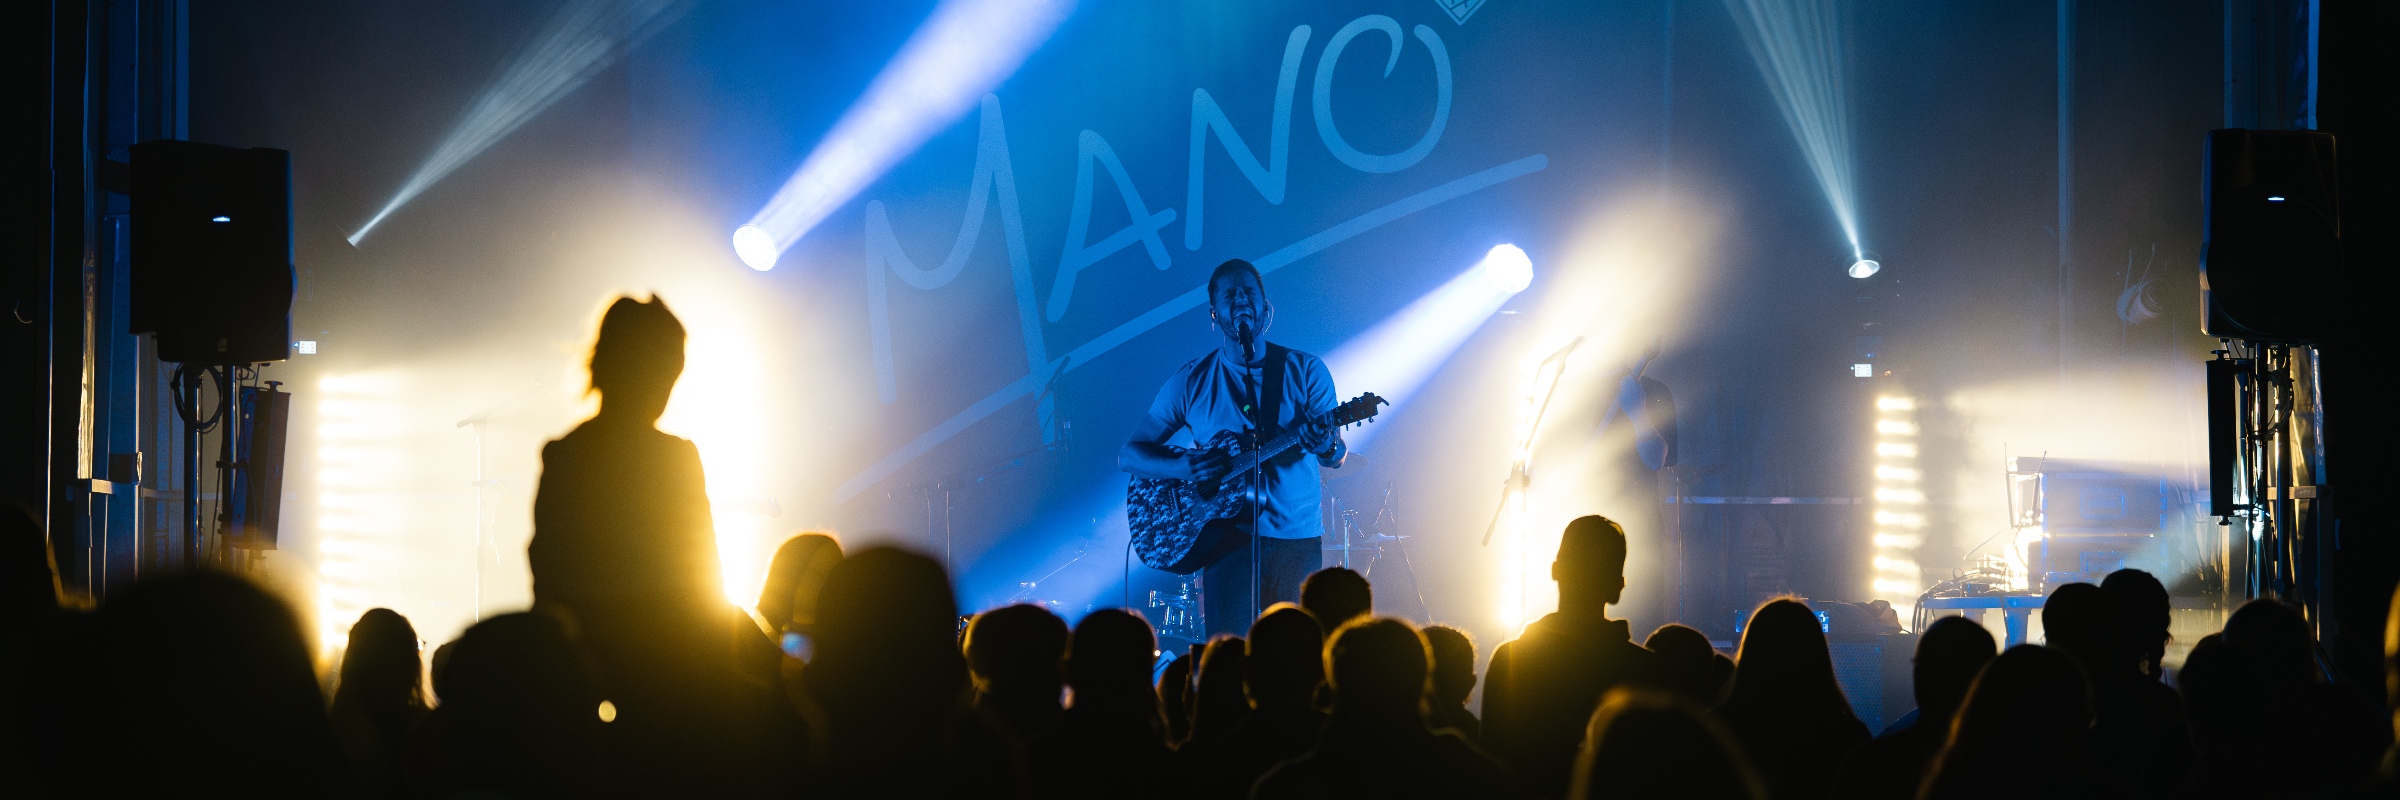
(1394, 358)
(1798, 47)
(579, 41)
(964, 50)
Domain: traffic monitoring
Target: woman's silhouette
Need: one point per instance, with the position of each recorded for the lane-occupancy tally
(1785, 708)
(624, 546)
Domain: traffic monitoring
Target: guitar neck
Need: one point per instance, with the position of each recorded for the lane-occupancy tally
(1249, 460)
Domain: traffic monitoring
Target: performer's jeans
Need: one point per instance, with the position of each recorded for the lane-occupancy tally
(1283, 564)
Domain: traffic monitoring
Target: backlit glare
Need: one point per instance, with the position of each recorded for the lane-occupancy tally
(1898, 428)
(1896, 565)
(1506, 268)
(1896, 404)
(1898, 540)
(1899, 496)
(1895, 473)
(1896, 450)
(1900, 519)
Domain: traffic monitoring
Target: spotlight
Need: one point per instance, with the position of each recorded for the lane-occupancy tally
(1865, 267)
(1506, 268)
(756, 248)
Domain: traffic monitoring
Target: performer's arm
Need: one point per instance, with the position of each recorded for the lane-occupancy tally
(1148, 455)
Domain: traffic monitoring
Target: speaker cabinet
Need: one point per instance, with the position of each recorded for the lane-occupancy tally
(2271, 243)
(212, 252)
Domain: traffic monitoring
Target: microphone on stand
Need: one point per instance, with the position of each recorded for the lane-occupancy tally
(1247, 332)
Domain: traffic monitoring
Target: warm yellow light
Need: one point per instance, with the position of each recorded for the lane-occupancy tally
(1899, 496)
(1905, 588)
(1900, 519)
(1896, 450)
(1896, 428)
(1896, 403)
(1897, 565)
(1895, 473)
(1898, 540)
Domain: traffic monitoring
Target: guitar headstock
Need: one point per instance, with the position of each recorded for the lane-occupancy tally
(1358, 410)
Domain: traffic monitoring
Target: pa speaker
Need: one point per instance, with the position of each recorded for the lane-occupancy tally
(2271, 243)
(212, 252)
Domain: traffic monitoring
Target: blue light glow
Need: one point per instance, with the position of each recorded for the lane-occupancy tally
(964, 50)
(220, 219)
(1394, 358)
(2275, 199)
(580, 40)
(1865, 267)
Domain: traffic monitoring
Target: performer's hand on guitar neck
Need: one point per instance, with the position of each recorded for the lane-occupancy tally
(1325, 442)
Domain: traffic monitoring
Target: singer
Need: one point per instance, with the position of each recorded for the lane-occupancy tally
(1257, 389)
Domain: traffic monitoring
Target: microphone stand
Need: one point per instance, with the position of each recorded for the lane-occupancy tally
(1258, 474)
(1518, 478)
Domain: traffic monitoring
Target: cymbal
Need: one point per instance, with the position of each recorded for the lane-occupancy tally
(1352, 464)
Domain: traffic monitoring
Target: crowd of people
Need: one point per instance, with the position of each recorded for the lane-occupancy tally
(854, 676)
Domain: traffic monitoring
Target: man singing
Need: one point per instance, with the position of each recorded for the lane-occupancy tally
(1249, 386)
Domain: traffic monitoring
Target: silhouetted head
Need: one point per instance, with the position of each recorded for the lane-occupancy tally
(1689, 662)
(1335, 595)
(1108, 666)
(2029, 695)
(795, 578)
(1590, 569)
(1286, 658)
(1783, 662)
(2144, 612)
(27, 568)
(2077, 619)
(1378, 667)
(1017, 651)
(1453, 663)
(1949, 655)
(637, 358)
(2227, 693)
(382, 666)
(200, 657)
(1643, 744)
(521, 710)
(887, 637)
(1217, 700)
(2278, 635)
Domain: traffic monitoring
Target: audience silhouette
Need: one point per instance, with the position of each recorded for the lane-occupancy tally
(1785, 708)
(1892, 766)
(209, 691)
(1112, 735)
(888, 678)
(1335, 595)
(1013, 654)
(1541, 688)
(379, 699)
(1649, 745)
(1688, 664)
(2140, 741)
(1280, 672)
(2020, 733)
(787, 601)
(1453, 679)
(521, 715)
(1376, 743)
(624, 547)
(2260, 675)
(1218, 705)
(1175, 697)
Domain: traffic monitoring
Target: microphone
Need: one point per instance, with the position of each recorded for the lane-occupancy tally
(1247, 332)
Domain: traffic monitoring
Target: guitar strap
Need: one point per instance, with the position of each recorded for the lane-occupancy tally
(1271, 401)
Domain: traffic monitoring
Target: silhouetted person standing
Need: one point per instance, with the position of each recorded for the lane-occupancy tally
(2021, 733)
(1453, 679)
(1376, 743)
(520, 716)
(1645, 745)
(1785, 707)
(624, 541)
(380, 699)
(2265, 721)
(1112, 739)
(1892, 767)
(888, 677)
(1014, 654)
(1541, 689)
(1335, 595)
(787, 605)
(1281, 670)
(2141, 743)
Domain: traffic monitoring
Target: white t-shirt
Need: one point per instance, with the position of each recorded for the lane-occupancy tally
(1209, 394)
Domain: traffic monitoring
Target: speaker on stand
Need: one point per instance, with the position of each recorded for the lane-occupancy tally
(213, 284)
